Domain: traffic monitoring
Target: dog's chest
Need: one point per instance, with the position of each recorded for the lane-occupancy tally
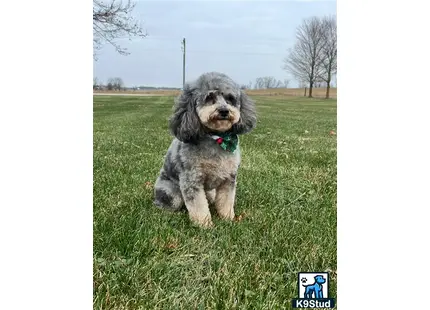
(215, 172)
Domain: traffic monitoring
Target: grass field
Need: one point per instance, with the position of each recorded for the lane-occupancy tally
(145, 258)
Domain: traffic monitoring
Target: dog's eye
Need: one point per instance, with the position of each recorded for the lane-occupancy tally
(210, 96)
(230, 98)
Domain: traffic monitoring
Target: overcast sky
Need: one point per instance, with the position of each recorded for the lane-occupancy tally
(244, 39)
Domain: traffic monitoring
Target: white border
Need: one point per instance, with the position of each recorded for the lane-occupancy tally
(383, 154)
(46, 157)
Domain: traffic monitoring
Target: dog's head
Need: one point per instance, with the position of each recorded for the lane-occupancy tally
(214, 103)
(319, 279)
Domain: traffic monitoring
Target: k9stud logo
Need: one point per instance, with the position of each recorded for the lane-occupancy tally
(313, 291)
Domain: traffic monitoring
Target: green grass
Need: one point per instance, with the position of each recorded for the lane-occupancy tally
(145, 258)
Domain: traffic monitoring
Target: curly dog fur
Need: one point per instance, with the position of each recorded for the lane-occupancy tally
(196, 170)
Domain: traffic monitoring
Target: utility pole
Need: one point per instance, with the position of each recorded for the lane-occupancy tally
(183, 64)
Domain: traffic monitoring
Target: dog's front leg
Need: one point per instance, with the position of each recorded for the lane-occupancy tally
(196, 204)
(224, 201)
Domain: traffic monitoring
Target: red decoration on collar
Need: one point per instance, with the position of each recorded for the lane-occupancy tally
(219, 140)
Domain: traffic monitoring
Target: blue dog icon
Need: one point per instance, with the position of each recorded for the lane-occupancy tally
(315, 289)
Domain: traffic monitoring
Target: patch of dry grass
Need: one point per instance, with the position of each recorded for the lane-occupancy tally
(295, 92)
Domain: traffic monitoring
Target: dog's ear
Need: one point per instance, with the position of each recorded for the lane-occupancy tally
(248, 115)
(184, 123)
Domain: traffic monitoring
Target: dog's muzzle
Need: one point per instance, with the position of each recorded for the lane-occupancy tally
(223, 113)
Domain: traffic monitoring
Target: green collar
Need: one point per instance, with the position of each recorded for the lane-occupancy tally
(226, 141)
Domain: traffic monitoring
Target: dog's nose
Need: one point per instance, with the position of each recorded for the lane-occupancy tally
(223, 112)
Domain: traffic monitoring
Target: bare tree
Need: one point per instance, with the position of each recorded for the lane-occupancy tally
(258, 83)
(95, 83)
(115, 83)
(286, 83)
(110, 84)
(304, 59)
(329, 51)
(271, 82)
(112, 21)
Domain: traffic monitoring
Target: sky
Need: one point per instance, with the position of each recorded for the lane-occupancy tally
(243, 39)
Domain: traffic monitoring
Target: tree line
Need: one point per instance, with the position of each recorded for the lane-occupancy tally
(112, 84)
(266, 82)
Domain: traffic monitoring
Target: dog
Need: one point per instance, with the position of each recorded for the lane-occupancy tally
(201, 164)
(316, 288)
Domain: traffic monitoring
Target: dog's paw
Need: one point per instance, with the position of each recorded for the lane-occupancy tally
(226, 214)
(203, 222)
(208, 224)
(227, 217)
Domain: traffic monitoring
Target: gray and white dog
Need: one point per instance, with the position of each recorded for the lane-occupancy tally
(201, 163)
